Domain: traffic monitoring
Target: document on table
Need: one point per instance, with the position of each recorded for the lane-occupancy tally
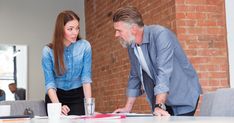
(41, 117)
(138, 115)
(135, 114)
(104, 116)
(62, 116)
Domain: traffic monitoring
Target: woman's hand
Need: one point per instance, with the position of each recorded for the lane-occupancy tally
(65, 109)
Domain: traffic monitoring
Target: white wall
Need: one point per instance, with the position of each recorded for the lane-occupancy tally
(31, 23)
(229, 4)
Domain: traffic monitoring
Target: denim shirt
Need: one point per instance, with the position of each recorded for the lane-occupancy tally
(77, 59)
(171, 71)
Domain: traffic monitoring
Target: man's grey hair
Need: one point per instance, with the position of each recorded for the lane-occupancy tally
(129, 15)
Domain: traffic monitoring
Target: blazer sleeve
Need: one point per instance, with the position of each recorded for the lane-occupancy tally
(165, 51)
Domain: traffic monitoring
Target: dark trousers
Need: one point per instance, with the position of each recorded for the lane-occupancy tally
(74, 99)
(170, 111)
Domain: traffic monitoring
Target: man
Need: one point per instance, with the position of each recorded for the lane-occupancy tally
(2, 95)
(19, 92)
(159, 66)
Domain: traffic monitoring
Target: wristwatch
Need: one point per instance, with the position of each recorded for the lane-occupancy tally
(161, 105)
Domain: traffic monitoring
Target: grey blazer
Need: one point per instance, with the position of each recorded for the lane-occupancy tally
(170, 69)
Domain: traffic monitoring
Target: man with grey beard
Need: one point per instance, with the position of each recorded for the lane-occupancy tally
(159, 66)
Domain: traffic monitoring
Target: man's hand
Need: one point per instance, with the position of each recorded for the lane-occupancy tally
(160, 112)
(128, 106)
(122, 110)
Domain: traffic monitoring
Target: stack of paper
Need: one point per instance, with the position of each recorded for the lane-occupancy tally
(104, 116)
(138, 115)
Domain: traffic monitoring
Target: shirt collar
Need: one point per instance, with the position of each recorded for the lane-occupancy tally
(144, 39)
(69, 47)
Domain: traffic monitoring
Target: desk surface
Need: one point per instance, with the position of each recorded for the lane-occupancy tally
(172, 119)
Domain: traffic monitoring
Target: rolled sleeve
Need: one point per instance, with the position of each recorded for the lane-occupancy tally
(134, 87)
(134, 92)
(86, 80)
(50, 85)
(161, 88)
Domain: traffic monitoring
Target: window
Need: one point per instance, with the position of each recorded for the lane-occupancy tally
(7, 68)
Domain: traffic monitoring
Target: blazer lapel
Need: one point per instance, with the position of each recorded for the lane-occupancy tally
(146, 52)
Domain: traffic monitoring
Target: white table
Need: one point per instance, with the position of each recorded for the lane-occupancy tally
(172, 119)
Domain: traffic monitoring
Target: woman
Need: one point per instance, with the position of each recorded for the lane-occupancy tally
(66, 64)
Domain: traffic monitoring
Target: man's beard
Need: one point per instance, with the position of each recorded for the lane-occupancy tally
(125, 43)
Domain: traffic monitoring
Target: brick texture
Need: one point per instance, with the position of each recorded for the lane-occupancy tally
(199, 25)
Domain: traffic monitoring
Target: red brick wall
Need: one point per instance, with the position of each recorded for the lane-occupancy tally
(200, 26)
(203, 40)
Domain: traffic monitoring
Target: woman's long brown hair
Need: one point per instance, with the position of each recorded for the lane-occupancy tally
(58, 40)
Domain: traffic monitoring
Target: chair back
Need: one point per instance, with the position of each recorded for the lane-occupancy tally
(207, 104)
(223, 102)
(18, 107)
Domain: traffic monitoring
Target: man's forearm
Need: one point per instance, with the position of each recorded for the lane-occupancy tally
(161, 98)
(130, 102)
